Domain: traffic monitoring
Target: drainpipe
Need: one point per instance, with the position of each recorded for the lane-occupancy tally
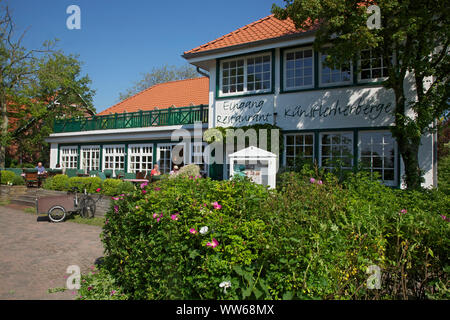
(202, 73)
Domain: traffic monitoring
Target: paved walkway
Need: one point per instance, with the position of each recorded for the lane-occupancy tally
(35, 253)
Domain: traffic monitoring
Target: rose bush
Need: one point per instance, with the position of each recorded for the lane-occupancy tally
(189, 238)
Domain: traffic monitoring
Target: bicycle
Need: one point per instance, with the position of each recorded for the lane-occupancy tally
(59, 207)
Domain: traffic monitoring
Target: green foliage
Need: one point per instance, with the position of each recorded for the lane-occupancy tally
(308, 239)
(99, 285)
(444, 175)
(416, 33)
(7, 177)
(18, 181)
(111, 187)
(190, 170)
(91, 184)
(59, 182)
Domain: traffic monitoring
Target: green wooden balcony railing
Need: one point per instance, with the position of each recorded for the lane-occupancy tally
(140, 119)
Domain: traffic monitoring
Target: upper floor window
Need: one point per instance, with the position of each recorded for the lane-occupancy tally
(373, 66)
(251, 74)
(299, 69)
(335, 76)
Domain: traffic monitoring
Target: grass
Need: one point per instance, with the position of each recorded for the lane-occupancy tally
(96, 221)
(4, 202)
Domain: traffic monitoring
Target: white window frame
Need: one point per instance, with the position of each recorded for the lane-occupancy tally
(245, 91)
(202, 154)
(91, 149)
(386, 182)
(140, 154)
(72, 151)
(295, 145)
(331, 145)
(333, 84)
(171, 146)
(114, 154)
(285, 78)
(371, 80)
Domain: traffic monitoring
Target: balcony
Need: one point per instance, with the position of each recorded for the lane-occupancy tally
(140, 119)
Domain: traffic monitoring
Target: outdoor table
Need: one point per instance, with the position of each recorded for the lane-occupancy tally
(82, 174)
(136, 180)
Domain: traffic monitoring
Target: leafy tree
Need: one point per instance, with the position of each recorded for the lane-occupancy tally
(35, 87)
(414, 33)
(160, 75)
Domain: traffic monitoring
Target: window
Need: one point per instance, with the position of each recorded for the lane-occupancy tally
(90, 157)
(378, 153)
(69, 157)
(298, 146)
(170, 155)
(336, 149)
(114, 158)
(197, 154)
(140, 158)
(246, 75)
(372, 65)
(298, 70)
(328, 76)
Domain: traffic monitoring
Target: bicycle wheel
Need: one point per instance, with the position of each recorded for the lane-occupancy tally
(88, 207)
(57, 214)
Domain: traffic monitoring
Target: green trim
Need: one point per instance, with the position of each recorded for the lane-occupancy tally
(79, 157)
(100, 164)
(355, 131)
(125, 160)
(317, 86)
(59, 154)
(218, 63)
(355, 148)
(140, 119)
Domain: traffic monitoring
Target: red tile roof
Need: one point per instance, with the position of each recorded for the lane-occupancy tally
(180, 93)
(263, 29)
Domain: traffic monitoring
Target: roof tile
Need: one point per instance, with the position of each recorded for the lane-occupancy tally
(180, 93)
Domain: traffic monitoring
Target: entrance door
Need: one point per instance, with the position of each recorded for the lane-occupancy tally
(169, 155)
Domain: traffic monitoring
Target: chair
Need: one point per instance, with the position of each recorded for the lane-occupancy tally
(31, 177)
(119, 174)
(71, 173)
(128, 175)
(108, 173)
(101, 175)
(140, 175)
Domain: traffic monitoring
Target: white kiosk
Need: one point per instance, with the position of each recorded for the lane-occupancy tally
(257, 164)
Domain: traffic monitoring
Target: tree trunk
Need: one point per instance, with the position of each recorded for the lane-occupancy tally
(407, 141)
(4, 131)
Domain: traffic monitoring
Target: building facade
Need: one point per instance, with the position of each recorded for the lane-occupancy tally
(264, 73)
(268, 72)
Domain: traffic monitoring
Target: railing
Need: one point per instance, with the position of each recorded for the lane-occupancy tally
(140, 119)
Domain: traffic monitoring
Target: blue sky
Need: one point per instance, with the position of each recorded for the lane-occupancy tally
(120, 40)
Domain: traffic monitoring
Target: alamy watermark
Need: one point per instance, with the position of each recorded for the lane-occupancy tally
(74, 20)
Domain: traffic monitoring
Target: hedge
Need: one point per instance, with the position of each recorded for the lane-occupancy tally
(312, 238)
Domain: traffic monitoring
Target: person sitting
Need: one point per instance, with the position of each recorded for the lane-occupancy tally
(174, 171)
(40, 168)
(155, 171)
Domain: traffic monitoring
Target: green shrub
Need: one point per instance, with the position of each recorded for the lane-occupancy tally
(99, 285)
(91, 184)
(125, 187)
(190, 170)
(7, 177)
(18, 181)
(311, 238)
(111, 187)
(59, 182)
(444, 175)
